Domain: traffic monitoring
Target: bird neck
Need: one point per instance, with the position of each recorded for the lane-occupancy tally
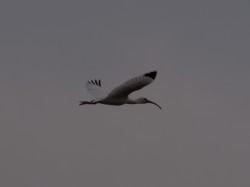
(134, 101)
(131, 101)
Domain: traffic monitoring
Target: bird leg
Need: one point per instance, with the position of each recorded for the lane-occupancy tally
(87, 102)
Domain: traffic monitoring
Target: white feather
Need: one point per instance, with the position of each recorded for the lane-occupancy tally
(95, 90)
(130, 86)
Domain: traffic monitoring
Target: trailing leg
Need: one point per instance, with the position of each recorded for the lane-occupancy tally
(87, 102)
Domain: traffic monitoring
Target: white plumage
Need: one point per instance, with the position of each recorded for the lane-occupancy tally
(120, 95)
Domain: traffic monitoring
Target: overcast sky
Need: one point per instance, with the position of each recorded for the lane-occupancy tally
(49, 49)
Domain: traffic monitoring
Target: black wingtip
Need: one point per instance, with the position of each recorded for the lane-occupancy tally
(151, 75)
(95, 82)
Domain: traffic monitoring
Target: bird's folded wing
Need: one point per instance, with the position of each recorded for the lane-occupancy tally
(133, 84)
(95, 89)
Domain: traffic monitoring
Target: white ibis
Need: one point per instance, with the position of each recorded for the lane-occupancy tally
(120, 95)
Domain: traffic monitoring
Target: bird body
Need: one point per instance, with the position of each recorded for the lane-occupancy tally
(114, 101)
(120, 95)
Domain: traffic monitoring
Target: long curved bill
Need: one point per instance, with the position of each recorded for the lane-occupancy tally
(154, 104)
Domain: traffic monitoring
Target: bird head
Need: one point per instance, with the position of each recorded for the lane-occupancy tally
(143, 100)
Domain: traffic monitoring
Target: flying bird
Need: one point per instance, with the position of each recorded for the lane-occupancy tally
(120, 95)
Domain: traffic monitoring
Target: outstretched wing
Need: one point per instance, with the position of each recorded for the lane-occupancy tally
(133, 84)
(95, 89)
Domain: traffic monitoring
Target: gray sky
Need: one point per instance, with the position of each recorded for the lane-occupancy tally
(49, 49)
